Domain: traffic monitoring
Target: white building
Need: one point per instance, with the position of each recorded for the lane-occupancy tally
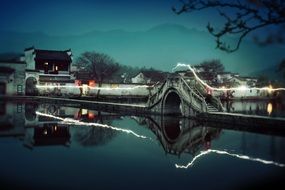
(140, 79)
(12, 77)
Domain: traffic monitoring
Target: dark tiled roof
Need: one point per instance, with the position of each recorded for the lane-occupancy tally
(51, 55)
(29, 48)
(6, 70)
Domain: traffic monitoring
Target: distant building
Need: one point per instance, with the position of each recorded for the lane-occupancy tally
(12, 77)
(140, 78)
(150, 76)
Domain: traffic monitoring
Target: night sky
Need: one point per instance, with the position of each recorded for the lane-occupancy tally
(80, 16)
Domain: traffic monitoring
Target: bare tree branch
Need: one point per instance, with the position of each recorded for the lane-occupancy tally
(241, 18)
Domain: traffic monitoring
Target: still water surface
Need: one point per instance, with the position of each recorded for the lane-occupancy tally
(46, 146)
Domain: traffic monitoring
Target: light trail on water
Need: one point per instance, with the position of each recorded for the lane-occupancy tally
(71, 121)
(223, 152)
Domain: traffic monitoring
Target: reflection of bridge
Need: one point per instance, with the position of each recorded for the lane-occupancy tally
(181, 135)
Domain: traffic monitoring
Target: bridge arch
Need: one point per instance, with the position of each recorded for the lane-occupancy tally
(172, 128)
(172, 103)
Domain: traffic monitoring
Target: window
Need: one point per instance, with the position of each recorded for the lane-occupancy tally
(19, 108)
(2, 108)
(19, 89)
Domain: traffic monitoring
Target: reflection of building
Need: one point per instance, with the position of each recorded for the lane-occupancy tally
(51, 134)
(12, 75)
(12, 120)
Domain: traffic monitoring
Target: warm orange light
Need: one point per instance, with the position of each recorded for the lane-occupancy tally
(77, 82)
(92, 83)
(91, 115)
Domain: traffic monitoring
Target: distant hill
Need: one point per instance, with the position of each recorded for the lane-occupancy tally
(10, 56)
(160, 47)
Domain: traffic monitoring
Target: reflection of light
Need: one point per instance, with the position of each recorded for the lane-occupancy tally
(222, 89)
(244, 157)
(70, 121)
(269, 108)
(45, 132)
(55, 128)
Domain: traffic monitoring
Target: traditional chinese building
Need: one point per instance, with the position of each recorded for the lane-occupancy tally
(47, 67)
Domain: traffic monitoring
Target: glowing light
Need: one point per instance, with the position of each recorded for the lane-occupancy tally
(92, 83)
(270, 88)
(269, 108)
(223, 89)
(94, 88)
(91, 115)
(242, 88)
(244, 157)
(70, 121)
(84, 111)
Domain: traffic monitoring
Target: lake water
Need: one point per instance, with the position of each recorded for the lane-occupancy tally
(46, 146)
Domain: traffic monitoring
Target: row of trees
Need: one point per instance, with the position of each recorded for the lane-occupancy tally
(101, 67)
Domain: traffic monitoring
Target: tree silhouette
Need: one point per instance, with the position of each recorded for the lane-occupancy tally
(213, 66)
(99, 65)
(281, 68)
(241, 18)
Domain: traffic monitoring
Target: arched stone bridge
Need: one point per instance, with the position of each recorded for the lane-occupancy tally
(182, 97)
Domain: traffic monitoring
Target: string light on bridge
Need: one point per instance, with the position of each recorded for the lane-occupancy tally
(240, 88)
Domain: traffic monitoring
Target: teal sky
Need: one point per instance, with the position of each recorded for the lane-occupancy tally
(80, 16)
(162, 51)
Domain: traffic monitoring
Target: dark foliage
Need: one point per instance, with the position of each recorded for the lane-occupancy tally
(241, 18)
